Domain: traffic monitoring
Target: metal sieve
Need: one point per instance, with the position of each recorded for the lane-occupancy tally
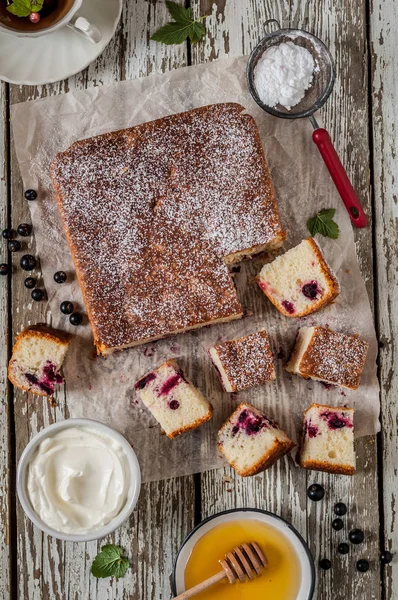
(315, 97)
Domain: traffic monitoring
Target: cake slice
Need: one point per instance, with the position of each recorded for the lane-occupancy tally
(329, 356)
(174, 402)
(300, 281)
(244, 362)
(251, 442)
(327, 441)
(37, 358)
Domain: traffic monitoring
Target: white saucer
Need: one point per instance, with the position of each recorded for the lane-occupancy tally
(58, 55)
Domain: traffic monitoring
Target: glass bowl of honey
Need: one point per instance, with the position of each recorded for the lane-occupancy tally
(290, 572)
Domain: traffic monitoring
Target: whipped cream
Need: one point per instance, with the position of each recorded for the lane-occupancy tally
(78, 480)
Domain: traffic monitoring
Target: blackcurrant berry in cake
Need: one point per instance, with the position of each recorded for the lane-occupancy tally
(37, 295)
(310, 290)
(31, 195)
(60, 277)
(27, 262)
(386, 557)
(30, 283)
(340, 509)
(356, 536)
(325, 564)
(289, 307)
(343, 548)
(14, 245)
(8, 234)
(315, 492)
(4, 269)
(66, 307)
(24, 229)
(174, 404)
(75, 319)
(362, 565)
(337, 524)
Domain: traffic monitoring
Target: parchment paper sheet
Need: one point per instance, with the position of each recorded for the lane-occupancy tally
(102, 388)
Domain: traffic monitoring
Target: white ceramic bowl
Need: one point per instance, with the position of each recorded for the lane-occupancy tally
(306, 561)
(133, 493)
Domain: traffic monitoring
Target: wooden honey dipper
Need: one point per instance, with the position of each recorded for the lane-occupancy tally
(243, 562)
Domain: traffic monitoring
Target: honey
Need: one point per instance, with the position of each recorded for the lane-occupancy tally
(280, 580)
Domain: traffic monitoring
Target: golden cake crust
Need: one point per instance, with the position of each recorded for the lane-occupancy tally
(152, 215)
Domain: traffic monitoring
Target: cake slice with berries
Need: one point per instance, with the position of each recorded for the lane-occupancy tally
(174, 402)
(251, 442)
(300, 281)
(328, 356)
(244, 362)
(327, 440)
(37, 358)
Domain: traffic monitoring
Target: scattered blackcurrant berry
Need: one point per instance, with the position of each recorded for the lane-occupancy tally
(325, 564)
(60, 277)
(8, 234)
(75, 319)
(386, 557)
(27, 262)
(356, 536)
(24, 229)
(66, 307)
(337, 524)
(4, 269)
(30, 194)
(343, 548)
(362, 565)
(30, 283)
(340, 509)
(37, 295)
(14, 245)
(315, 492)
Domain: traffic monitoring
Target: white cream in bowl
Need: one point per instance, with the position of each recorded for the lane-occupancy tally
(78, 480)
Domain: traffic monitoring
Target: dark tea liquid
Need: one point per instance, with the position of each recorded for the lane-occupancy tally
(52, 12)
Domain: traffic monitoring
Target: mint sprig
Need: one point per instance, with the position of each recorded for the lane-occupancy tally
(323, 223)
(110, 562)
(23, 8)
(183, 26)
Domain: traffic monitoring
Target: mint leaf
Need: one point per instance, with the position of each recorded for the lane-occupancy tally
(110, 562)
(181, 28)
(323, 224)
(178, 12)
(23, 8)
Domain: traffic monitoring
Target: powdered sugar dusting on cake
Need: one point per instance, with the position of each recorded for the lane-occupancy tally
(335, 357)
(150, 213)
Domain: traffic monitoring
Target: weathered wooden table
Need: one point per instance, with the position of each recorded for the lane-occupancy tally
(361, 117)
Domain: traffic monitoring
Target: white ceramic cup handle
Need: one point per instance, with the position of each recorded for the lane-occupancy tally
(81, 25)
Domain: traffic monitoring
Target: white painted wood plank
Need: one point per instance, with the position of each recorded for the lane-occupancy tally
(47, 568)
(383, 44)
(234, 27)
(4, 399)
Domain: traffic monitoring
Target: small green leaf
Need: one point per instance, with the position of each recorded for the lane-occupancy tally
(23, 8)
(198, 30)
(323, 224)
(178, 12)
(172, 33)
(110, 562)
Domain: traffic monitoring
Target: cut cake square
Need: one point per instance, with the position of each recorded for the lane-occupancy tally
(300, 281)
(174, 402)
(153, 214)
(329, 356)
(327, 441)
(251, 442)
(244, 362)
(37, 358)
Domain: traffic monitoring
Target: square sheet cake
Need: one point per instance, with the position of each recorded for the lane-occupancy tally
(155, 213)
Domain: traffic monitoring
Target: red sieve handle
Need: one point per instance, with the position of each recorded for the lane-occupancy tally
(340, 178)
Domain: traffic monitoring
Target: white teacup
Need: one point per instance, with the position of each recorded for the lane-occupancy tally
(71, 19)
